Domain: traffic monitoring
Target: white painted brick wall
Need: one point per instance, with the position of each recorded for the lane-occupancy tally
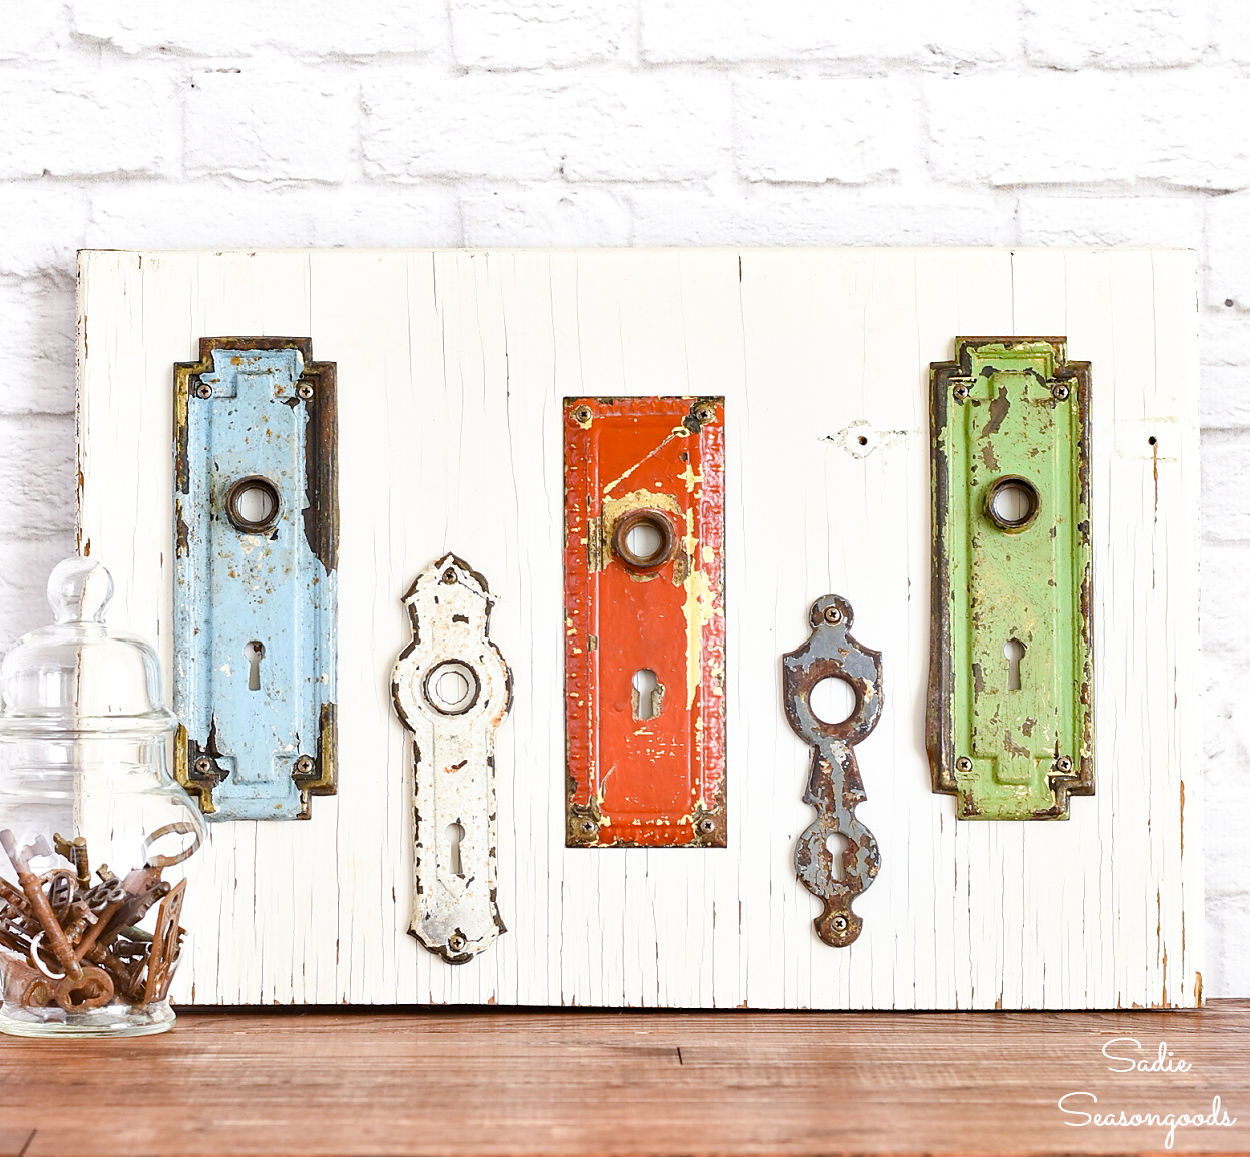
(812, 130)
(1116, 35)
(249, 123)
(270, 124)
(503, 34)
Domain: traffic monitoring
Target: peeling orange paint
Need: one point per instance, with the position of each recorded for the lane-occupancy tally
(644, 772)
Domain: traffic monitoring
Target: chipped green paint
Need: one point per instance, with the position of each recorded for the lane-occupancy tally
(1010, 714)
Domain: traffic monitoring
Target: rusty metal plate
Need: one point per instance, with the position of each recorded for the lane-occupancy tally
(835, 787)
(255, 577)
(645, 621)
(452, 689)
(1010, 714)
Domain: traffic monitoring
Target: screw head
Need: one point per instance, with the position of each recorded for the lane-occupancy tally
(203, 391)
(960, 393)
(203, 765)
(1060, 393)
(963, 763)
(705, 413)
(1063, 764)
(707, 826)
(839, 923)
(588, 826)
(582, 414)
(456, 942)
(304, 390)
(303, 765)
(833, 615)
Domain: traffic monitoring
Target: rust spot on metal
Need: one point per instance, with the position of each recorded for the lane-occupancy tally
(998, 411)
(451, 690)
(197, 766)
(985, 376)
(834, 786)
(322, 777)
(78, 945)
(319, 384)
(1011, 745)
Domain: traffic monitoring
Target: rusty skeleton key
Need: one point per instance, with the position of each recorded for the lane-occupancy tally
(834, 787)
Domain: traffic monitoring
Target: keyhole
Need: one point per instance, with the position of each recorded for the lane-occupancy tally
(646, 694)
(455, 833)
(254, 652)
(1013, 652)
(837, 844)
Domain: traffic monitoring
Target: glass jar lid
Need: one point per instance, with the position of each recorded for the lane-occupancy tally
(77, 675)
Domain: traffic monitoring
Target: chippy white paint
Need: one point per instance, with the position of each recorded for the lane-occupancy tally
(452, 690)
(452, 367)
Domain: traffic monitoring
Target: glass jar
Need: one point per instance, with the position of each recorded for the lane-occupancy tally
(93, 831)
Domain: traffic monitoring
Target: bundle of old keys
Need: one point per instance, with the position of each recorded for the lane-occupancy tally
(78, 945)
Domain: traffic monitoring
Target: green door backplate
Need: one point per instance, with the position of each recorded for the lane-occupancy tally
(1010, 713)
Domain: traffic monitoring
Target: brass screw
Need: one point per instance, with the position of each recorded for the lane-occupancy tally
(304, 390)
(456, 942)
(582, 414)
(303, 765)
(963, 763)
(1063, 763)
(833, 615)
(203, 765)
(960, 393)
(203, 391)
(1060, 393)
(705, 413)
(588, 826)
(449, 576)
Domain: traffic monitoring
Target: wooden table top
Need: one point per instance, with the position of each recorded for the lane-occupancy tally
(443, 1081)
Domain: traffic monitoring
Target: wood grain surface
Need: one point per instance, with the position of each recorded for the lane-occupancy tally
(452, 370)
(498, 1082)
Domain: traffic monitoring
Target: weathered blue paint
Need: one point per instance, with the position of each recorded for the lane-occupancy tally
(253, 751)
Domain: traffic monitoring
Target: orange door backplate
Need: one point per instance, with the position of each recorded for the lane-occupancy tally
(644, 597)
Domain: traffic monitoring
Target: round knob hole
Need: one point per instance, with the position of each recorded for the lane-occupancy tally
(1012, 503)
(452, 688)
(253, 504)
(644, 539)
(832, 700)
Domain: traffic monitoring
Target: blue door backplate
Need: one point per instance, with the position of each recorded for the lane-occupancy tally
(256, 525)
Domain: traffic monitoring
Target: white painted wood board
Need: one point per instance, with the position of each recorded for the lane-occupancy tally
(451, 368)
